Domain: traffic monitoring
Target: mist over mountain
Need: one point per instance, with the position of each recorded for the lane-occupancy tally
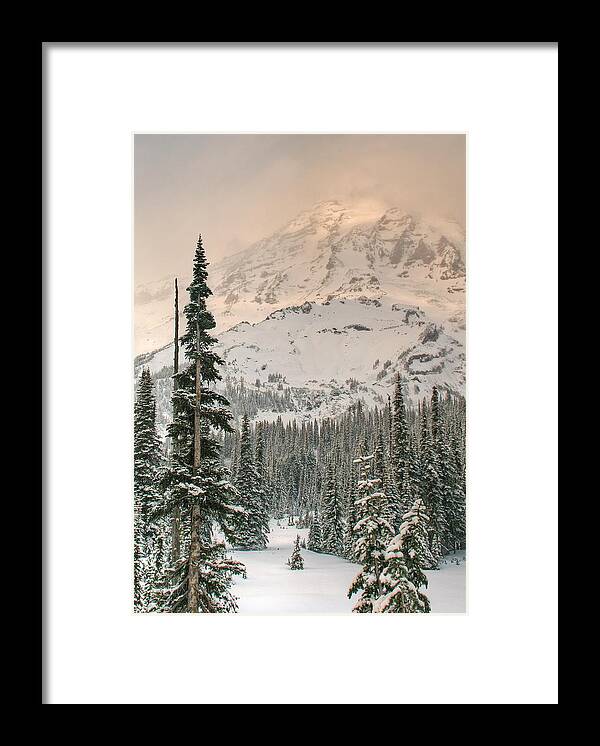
(330, 251)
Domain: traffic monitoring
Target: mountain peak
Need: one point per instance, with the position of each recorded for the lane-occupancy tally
(334, 249)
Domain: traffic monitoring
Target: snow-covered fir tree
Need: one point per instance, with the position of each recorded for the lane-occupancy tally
(455, 500)
(405, 556)
(254, 527)
(195, 481)
(332, 517)
(261, 469)
(429, 486)
(381, 471)
(147, 555)
(413, 531)
(373, 532)
(351, 516)
(295, 561)
(407, 495)
(315, 535)
(399, 436)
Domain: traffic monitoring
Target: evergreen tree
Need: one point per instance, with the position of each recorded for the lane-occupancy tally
(352, 509)
(160, 560)
(381, 471)
(455, 507)
(407, 497)
(373, 533)
(435, 416)
(255, 525)
(145, 471)
(332, 517)
(315, 536)
(196, 482)
(295, 561)
(259, 463)
(403, 576)
(430, 488)
(399, 434)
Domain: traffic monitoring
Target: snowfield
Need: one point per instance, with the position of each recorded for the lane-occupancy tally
(327, 347)
(322, 587)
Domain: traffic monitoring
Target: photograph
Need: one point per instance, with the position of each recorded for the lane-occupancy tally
(300, 374)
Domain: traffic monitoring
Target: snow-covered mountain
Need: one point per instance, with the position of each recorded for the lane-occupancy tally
(330, 251)
(332, 305)
(333, 251)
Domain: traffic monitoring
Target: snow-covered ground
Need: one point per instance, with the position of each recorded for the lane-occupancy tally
(448, 585)
(322, 587)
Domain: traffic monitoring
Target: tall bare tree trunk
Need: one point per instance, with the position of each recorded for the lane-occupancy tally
(176, 524)
(195, 538)
(390, 429)
(176, 340)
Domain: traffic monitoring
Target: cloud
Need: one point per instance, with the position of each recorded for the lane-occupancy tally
(235, 189)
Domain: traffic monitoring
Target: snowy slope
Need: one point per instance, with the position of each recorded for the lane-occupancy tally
(322, 587)
(329, 355)
(330, 251)
(348, 346)
(338, 251)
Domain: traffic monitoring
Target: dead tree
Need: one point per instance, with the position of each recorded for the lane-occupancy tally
(176, 525)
